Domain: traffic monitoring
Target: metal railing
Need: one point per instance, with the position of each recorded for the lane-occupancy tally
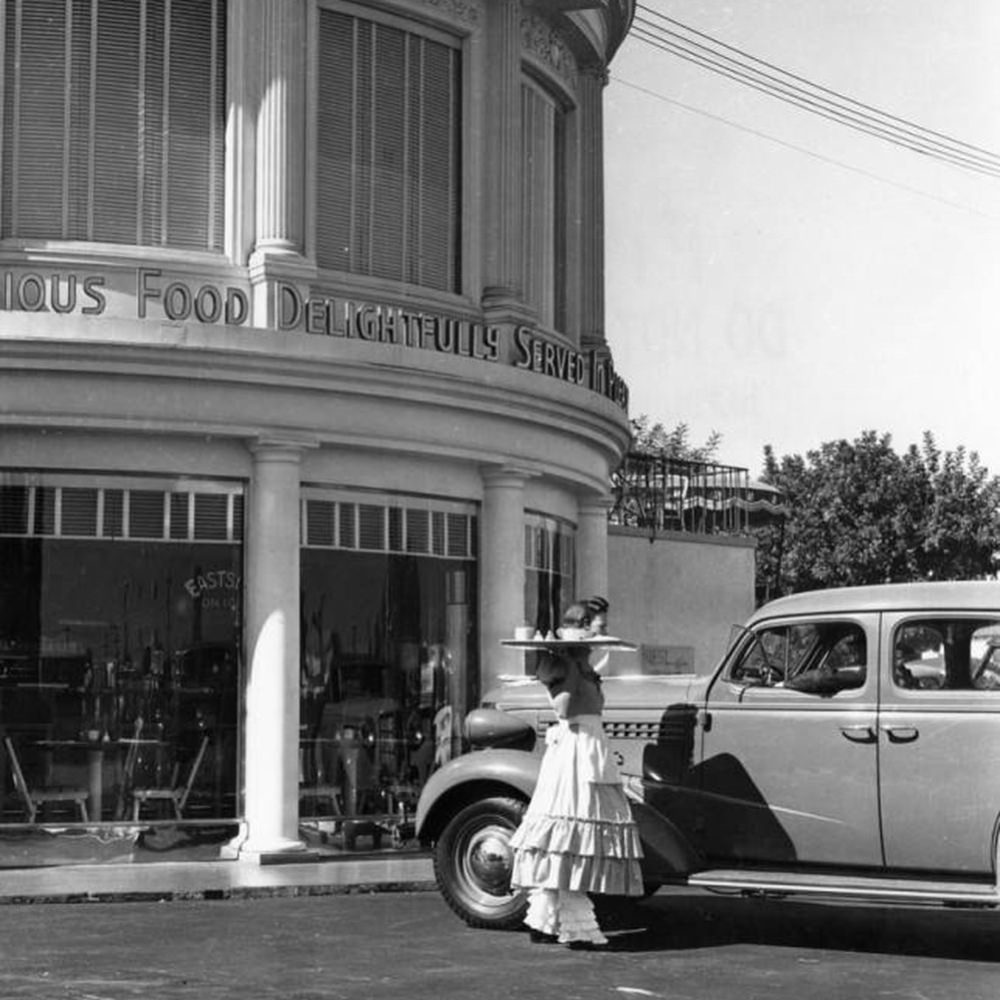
(657, 492)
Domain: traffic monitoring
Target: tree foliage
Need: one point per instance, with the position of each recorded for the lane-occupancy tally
(859, 513)
(656, 439)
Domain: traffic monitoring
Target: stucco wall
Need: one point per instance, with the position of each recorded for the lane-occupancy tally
(679, 591)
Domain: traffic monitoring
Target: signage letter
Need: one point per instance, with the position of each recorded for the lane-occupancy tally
(289, 307)
(143, 291)
(237, 307)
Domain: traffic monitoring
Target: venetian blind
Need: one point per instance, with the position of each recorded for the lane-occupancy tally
(543, 212)
(388, 172)
(113, 121)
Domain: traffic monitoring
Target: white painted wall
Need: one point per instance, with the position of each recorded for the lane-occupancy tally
(680, 590)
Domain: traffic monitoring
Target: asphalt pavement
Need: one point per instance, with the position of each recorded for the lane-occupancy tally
(394, 944)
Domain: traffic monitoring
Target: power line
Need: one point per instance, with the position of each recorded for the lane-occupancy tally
(842, 110)
(832, 114)
(820, 106)
(803, 150)
(816, 86)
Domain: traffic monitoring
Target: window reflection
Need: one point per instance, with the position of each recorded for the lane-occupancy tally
(119, 659)
(388, 655)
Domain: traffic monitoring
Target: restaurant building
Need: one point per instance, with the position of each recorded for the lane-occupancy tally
(305, 400)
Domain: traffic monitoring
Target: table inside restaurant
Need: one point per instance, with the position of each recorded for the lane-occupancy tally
(95, 750)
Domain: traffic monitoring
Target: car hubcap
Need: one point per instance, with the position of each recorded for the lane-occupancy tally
(488, 860)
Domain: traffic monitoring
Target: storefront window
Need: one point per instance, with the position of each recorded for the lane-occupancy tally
(389, 663)
(120, 625)
(549, 570)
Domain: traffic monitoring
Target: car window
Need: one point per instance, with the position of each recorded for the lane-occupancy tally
(817, 658)
(956, 654)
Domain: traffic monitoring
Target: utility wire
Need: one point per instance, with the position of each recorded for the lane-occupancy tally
(803, 150)
(815, 86)
(843, 110)
(831, 113)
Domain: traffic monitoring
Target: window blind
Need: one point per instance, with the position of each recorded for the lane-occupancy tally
(113, 121)
(389, 527)
(543, 211)
(388, 173)
(71, 511)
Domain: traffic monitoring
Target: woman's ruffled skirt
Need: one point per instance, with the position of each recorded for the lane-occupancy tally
(578, 833)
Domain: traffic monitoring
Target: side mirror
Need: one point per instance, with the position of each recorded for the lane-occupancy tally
(487, 728)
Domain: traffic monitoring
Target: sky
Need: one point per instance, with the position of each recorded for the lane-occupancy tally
(783, 279)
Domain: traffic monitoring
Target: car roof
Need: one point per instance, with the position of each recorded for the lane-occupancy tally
(952, 595)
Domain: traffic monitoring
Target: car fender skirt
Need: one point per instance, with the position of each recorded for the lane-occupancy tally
(514, 769)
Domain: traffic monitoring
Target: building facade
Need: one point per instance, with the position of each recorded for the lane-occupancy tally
(305, 397)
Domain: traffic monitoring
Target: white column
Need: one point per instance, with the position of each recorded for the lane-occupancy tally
(280, 175)
(501, 553)
(503, 295)
(281, 128)
(591, 277)
(272, 643)
(592, 547)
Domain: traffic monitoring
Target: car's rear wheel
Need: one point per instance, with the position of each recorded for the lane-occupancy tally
(472, 864)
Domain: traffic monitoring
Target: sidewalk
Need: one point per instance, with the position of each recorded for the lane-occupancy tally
(214, 879)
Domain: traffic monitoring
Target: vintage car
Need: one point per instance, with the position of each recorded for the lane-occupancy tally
(846, 747)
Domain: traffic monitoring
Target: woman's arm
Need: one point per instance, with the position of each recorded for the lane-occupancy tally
(562, 683)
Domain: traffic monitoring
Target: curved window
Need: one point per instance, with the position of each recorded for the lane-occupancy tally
(388, 169)
(549, 570)
(543, 233)
(113, 118)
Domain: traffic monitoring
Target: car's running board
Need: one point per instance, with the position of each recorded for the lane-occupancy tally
(858, 887)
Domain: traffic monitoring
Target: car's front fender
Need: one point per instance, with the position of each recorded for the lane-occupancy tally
(470, 776)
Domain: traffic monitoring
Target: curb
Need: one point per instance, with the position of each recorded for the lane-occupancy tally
(234, 893)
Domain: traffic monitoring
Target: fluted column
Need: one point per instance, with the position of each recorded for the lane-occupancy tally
(502, 293)
(592, 547)
(272, 638)
(501, 570)
(281, 128)
(591, 279)
(280, 163)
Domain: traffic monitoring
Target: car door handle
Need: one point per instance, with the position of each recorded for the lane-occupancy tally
(859, 734)
(901, 734)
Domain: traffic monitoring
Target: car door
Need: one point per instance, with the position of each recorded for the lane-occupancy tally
(939, 731)
(787, 773)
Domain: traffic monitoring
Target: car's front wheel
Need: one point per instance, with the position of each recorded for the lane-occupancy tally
(472, 864)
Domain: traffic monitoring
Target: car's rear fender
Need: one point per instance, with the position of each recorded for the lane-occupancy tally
(472, 776)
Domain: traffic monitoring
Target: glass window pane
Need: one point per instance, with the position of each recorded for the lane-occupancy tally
(417, 530)
(179, 507)
(79, 512)
(114, 512)
(372, 527)
(348, 525)
(13, 510)
(113, 121)
(45, 510)
(320, 521)
(211, 511)
(145, 513)
(388, 171)
(119, 673)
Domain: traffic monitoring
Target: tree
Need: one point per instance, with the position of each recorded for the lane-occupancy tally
(656, 439)
(858, 512)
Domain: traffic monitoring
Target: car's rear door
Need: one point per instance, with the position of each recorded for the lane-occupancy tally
(939, 733)
(787, 776)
